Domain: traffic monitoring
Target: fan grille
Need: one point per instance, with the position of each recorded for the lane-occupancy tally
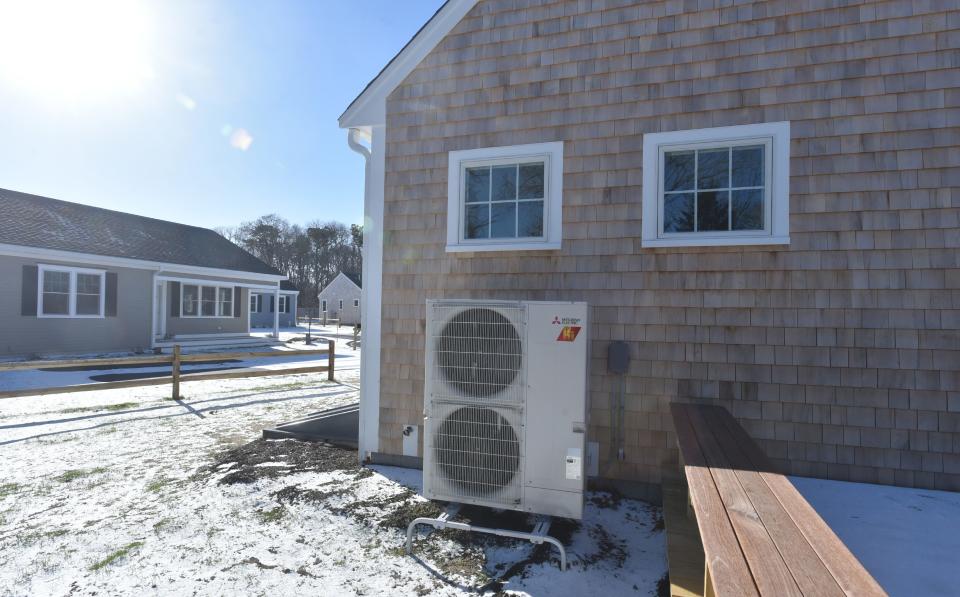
(478, 453)
(479, 354)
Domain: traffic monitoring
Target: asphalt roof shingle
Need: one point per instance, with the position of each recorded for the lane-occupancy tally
(34, 221)
(355, 278)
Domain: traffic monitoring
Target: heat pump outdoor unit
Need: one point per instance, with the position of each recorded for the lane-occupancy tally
(505, 405)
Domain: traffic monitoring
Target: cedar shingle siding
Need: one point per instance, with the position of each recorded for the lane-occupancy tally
(839, 353)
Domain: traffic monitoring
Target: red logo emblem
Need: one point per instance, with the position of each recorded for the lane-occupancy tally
(568, 333)
(556, 320)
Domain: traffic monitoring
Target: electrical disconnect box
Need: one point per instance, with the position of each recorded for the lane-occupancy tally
(618, 357)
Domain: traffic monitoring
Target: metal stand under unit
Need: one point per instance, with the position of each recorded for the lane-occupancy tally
(537, 536)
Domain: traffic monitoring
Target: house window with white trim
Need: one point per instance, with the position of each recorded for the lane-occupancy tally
(225, 302)
(340, 306)
(719, 186)
(206, 301)
(356, 303)
(255, 302)
(284, 300)
(70, 292)
(323, 305)
(505, 198)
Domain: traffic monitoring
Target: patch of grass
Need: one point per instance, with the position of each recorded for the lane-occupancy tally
(56, 533)
(157, 484)
(273, 515)
(87, 409)
(8, 489)
(160, 525)
(113, 557)
(79, 473)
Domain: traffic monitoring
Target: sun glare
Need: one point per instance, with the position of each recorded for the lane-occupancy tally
(65, 51)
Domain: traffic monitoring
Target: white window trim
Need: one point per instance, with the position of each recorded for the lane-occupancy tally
(323, 305)
(72, 293)
(255, 301)
(458, 161)
(356, 303)
(216, 294)
(777, 169)
(281, 303)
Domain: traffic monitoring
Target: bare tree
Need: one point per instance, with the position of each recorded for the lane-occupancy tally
(310, 256)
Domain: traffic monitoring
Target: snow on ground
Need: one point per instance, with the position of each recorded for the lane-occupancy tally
(907, 538)
(127, 492)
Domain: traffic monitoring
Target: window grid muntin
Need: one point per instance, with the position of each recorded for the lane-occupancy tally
(729, 145)
(517, 162)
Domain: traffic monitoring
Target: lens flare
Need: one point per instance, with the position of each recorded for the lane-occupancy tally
(67, 51)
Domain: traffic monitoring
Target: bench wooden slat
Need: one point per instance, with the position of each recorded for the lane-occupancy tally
(809, 572)
(770, 573)
(725, 561)
(849, 573)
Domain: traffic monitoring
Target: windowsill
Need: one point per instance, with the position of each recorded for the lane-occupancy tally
(504, 246)
(207, 317)
(714, 241)
(42, 316)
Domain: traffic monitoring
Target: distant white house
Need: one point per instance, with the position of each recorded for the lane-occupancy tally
(340, 299)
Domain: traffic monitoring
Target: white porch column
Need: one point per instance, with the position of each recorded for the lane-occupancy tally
(370, 294)
(276, 312)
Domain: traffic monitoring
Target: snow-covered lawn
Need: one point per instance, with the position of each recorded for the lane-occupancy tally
(909, 539)
(126, 492)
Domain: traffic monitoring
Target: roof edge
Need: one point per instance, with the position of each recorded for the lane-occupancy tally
(369, 108)
(30, 252)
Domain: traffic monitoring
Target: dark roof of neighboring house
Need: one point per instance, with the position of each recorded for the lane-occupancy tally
(287, 285)
(34, 221)
(355, 278)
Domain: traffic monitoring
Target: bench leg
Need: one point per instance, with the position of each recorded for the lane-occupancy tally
(707, 582)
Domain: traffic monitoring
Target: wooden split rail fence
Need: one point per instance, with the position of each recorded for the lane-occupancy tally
(175, 360)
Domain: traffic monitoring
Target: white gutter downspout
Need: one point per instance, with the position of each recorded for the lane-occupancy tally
(370, 293)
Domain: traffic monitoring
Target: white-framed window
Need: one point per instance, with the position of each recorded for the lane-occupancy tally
(255, 301)
(340, 305)
(70, 292)
(323, 305)
(505, 198)
(356, 303)
(201, 300)
(718, 186)
(283, 303)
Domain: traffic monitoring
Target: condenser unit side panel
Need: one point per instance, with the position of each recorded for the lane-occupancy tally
(557, 351)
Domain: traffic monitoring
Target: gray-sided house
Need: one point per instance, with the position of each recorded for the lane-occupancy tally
(340, 299)
(82, 279)
(762, 199)
(264, 304)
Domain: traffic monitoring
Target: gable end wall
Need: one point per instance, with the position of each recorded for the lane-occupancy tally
(840, 353)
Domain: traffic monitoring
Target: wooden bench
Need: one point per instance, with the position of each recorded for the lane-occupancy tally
(759, 536)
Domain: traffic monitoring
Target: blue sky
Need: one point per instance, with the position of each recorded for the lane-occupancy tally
(208, 113)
